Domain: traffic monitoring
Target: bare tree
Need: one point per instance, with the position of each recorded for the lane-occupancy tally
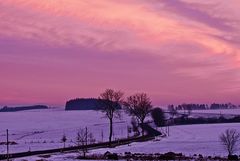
(83, 138)
(110, 101)
(139, 106)
(230, 139)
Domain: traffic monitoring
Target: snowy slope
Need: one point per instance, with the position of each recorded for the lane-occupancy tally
(186, 139)
(37, 130)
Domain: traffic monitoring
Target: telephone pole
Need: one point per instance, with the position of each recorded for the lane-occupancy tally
(7, 146)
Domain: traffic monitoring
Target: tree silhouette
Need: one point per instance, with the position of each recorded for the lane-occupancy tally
(139, 106)
(84, 136)
(230, 139)
(110, 101)
(158, 117)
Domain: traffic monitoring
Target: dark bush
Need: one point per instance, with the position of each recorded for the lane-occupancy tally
(113, 156)
(110, 156)
(232, 157)
(158, 117)
(200, 120)
(168, 156)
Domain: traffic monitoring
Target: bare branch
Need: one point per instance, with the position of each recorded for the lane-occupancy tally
(230, 139)
(110, 101)
(139, 106)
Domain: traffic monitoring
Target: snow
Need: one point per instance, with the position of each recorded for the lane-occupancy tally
(186, 139)
(55, 157)
(39, 130)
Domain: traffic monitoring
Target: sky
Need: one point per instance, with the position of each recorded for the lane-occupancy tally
(176, 51)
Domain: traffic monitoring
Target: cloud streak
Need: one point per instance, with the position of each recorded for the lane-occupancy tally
(176, 50)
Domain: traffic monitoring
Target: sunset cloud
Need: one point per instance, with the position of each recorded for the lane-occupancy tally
(175, 50)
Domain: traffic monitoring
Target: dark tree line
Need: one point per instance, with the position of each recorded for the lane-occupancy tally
(203, 106)
(22, 108)
(201, 120)
(84, 104)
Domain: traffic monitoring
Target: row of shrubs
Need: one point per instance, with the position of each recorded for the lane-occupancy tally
(200, 120)
(157, 156)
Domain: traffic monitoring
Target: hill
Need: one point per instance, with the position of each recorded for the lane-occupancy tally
(83, 104)
(22, 108)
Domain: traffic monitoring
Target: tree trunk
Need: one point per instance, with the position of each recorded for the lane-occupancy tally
(111, 131)
(142, 127)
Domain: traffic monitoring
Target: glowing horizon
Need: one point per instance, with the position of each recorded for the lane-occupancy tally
(174, 50)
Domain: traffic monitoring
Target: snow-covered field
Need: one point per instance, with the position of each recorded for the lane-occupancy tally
(38, 130)
(186, 139)
(55, 157)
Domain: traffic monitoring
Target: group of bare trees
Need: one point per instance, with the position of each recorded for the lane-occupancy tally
(138, 105)
(109, 102)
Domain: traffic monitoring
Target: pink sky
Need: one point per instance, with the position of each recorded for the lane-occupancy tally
(175, 50)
